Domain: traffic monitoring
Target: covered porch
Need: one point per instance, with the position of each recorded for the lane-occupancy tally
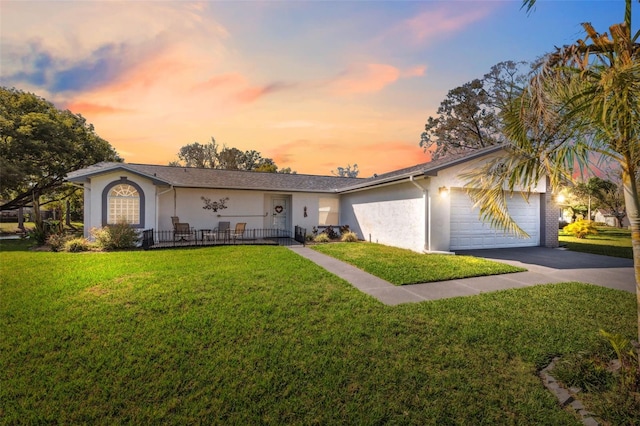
(191, 237)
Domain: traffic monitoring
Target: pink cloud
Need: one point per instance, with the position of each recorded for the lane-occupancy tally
(369, 78)
(447, 18)
(239, 87)
(327, 155)
(282, 154)
(251, 94)
(384, 157)
(88, 108)
(417, 71)
(366, 78)
(222, 81)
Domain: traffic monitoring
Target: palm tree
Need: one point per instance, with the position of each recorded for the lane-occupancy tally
(581, 105)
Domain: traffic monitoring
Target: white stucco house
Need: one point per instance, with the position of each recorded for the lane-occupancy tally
(403, 208)
(608, 218)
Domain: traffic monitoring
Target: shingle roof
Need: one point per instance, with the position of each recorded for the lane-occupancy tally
(213, 178)
(430, 168)
(189, 177)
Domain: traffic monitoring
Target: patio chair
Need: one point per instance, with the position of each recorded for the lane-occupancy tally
(222, 230)
(238, 232)
(182, 232)
(219, 233)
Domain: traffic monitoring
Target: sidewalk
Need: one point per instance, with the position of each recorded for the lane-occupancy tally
(545, 266)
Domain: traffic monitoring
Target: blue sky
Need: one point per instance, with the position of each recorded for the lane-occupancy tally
(312, 84)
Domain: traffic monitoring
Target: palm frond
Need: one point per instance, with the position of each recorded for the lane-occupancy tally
(490, 186)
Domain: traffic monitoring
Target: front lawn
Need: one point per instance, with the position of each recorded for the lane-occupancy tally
(400, 266)
(12, 227)
(260, 335)
(609, 242)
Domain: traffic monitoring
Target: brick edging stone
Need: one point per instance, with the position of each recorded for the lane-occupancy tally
(566, 397)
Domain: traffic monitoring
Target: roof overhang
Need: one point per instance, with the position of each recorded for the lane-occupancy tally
(427, 172)
(88, 173)
(433, 171)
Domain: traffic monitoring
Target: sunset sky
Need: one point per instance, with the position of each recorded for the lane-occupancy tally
(312, 84)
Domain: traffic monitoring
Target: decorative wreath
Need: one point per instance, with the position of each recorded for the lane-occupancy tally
(279, 209)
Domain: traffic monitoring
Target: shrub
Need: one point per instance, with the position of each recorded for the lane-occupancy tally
(45, 229)
(114, 237)
(581, 228)
(349, 237)
(344, 229)
(57, 241)
(627, 357)
(76, 245)
(322, 238)
(331, 233)
(39, 235)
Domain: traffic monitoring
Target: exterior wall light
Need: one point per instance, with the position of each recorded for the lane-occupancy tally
(444, 191)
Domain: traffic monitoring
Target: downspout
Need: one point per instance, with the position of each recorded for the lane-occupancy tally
(175, 201)
(427, 214)
(171, 188)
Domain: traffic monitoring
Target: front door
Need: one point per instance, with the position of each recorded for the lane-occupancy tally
(279, 212)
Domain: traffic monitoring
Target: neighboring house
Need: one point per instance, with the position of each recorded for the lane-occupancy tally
(608, 218)
(403, 208)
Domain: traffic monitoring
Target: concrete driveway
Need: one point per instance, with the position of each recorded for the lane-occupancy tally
(544, 266)
(559, 265)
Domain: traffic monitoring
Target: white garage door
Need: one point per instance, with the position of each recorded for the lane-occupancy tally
(469, 232)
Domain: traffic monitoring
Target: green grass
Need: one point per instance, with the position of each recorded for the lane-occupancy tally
(400, 266)
(609, 241)
(259, 335)
(21, 244)
(12, 227)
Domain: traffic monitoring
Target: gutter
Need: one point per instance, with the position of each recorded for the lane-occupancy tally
(171, 188)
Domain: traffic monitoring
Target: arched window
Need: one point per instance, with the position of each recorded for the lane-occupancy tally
(124, 205)
(123, 201)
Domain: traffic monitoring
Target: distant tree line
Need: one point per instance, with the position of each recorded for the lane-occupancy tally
(211, 156)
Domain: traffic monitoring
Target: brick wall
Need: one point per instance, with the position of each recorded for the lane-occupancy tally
(549, 217)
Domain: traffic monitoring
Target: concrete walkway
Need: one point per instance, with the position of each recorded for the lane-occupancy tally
(543, 266)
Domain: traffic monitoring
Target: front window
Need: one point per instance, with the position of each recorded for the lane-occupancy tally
(124, 205)
(328, 212)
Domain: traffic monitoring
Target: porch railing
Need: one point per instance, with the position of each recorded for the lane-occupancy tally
(152, 238)
(300, 235)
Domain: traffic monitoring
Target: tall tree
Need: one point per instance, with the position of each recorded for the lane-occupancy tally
(596, 192)
(39, 146)
(349, 171)
(231, 159)
(286, 171)
(199, 155)
(228, 158)
(612, 198)
(266, 165)
(468, 118)
(589, 88)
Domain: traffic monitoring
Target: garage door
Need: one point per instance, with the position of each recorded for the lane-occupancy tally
(469, 232)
